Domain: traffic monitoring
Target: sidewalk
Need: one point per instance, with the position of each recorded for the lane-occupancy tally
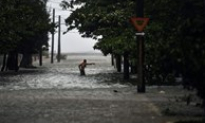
(84, 106)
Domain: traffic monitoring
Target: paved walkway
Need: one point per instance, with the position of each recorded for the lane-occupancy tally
(77, 106)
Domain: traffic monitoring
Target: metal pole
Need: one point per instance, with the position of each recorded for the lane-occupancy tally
(59, 38)
(52, 43)
(140, 43)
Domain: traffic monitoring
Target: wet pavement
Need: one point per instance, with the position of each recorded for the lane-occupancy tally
(56, 93)
(76, 106)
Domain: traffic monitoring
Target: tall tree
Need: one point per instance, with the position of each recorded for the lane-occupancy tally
(175, 43)
(107, 21)
(174, 37)
(24, 27)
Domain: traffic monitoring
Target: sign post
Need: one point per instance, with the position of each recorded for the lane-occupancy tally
(140, 23)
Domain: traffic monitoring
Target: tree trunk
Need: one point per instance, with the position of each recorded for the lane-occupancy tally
(118, 63)
(112, 59)
(4, 62)
(12, 62)
(203, 104)
(40, 57)
(133, 68)
(27, 61)
(126, 66)
(16, 62)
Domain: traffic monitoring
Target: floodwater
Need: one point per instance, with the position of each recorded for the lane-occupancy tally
(56, 93)
(65, 75)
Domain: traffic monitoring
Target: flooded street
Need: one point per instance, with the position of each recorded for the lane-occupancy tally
(56, 93)
(65, 75)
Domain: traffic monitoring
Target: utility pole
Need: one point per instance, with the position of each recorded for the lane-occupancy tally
(140, 43)
(52, 43)
(59, 38)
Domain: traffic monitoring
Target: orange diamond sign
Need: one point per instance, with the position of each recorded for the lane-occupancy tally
(139, 23)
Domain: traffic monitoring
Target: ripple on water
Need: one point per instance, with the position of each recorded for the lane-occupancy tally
(65, 75)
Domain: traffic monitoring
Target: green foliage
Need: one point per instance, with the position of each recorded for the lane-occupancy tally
(23, 26)
(107, 19)
(174, 44)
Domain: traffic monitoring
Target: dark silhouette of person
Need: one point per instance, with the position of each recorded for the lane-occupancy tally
(83, 65)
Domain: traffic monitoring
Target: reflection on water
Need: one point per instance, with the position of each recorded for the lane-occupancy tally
(65, 74)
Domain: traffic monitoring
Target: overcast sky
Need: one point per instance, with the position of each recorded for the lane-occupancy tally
(71, 41)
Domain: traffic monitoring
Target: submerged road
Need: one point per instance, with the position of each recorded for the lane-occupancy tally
(65, 75)
(56, 93)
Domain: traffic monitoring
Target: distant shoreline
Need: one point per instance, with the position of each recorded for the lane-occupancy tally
(82, 53)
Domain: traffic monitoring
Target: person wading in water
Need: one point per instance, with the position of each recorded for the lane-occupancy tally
(82, 66)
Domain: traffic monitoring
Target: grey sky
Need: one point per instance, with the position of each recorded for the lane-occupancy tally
(71, 41)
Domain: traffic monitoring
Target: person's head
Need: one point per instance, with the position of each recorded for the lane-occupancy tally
(84, 60)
